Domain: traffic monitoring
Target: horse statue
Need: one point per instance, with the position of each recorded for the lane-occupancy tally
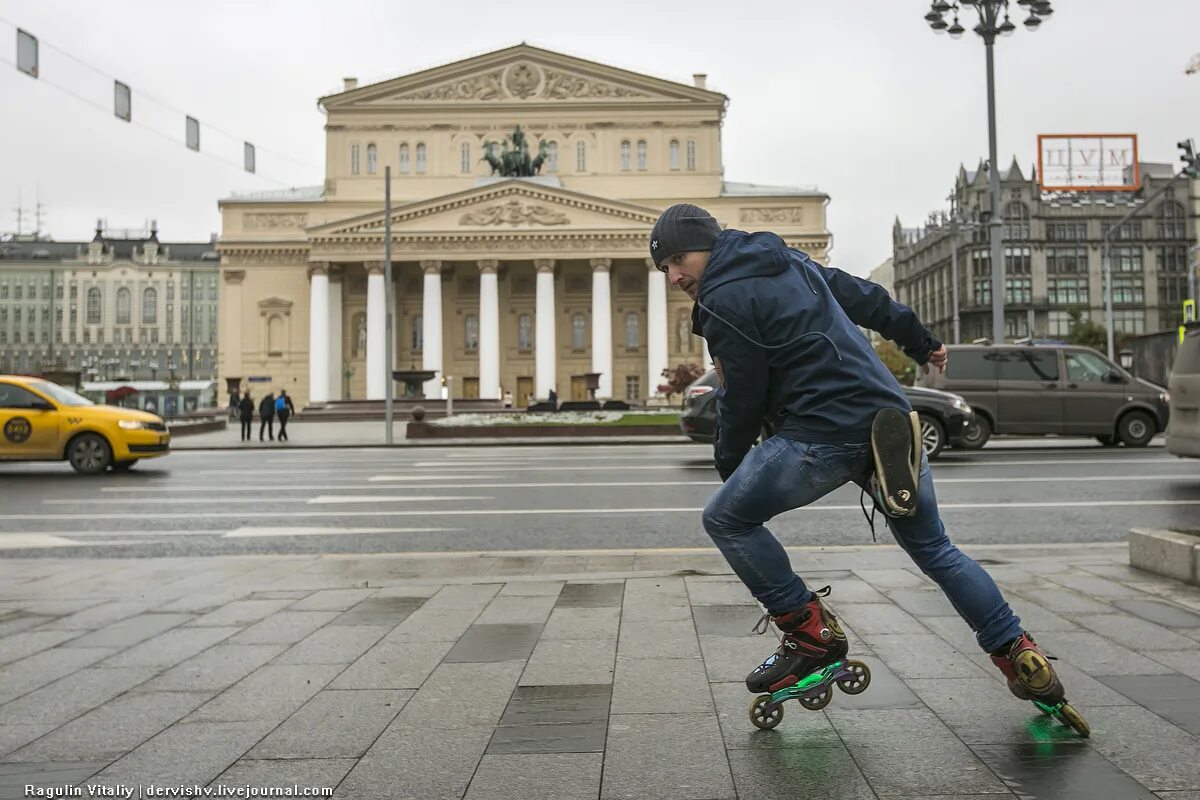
(514, 161)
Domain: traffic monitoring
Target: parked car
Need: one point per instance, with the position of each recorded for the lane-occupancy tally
(945, 417)
(1051, 389)
(42, 421)
(1183, 432)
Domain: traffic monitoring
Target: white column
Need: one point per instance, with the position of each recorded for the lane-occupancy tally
(431, 331)
(489, 330)
(656, 327)
(335, 335)
(318, 334)
(545, 354)
(376, 333)
(602, 349)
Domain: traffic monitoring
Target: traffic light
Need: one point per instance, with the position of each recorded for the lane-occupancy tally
(1189, 158)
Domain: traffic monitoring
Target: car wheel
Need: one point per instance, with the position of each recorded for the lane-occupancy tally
(89, 454)
(124, 466)
(976, 434)
(1136, 429)
(933, 436)
(1108, 441)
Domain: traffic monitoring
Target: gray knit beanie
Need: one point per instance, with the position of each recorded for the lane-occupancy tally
(682, 228)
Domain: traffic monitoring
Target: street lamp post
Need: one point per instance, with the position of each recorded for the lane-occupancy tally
(989, 28)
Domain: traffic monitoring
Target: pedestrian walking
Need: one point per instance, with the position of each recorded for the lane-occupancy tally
(283, 410)
(246, 414)
(266, 416)
(783, 333)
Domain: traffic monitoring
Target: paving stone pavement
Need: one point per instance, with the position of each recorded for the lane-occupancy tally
(596, 674)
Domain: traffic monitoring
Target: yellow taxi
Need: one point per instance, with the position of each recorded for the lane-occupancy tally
(42, 421)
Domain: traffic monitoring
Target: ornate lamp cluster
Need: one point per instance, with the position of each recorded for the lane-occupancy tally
(989, 17)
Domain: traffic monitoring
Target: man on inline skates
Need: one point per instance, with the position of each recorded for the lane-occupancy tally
(782, 332)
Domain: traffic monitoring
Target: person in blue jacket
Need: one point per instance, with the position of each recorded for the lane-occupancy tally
(783, 333)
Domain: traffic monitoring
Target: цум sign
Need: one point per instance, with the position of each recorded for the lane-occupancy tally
(1087, 162)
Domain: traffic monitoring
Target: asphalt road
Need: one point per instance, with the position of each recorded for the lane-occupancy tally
(552, 497)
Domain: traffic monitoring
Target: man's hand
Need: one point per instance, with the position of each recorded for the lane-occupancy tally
(938, 359)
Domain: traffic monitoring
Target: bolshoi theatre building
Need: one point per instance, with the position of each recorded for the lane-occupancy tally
(524, 185)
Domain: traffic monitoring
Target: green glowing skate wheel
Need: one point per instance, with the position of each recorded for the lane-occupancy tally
(819, 701)
(1069, 716)
(861, 680)
(764, 714)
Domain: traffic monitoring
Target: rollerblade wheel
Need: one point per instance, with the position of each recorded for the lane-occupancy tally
(764, 714)
(1070, 716)
(817, 702)
(861, 680)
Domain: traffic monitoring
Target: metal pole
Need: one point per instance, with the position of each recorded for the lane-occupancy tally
(387, 282)
(994, 181)
(1106, 260)
(449, 395)
(954, 273)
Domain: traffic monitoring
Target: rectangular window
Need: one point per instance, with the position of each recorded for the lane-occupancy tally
(1066, 231)
(466, 157)
(580, 156)
(983, 293)
(1066, 260)
(1026, 365)
(633, 387)
(420, 159)
(691, 155)
(1172, 289)
(1129, 321)
(626, 156)
(1059, 323)
(1172, 258)
(981, 263)
(19, 292)
(1126, 258)
(1127, 289)
(355, 155)
(1130, 230)
(1017, 260)
(1067, 291)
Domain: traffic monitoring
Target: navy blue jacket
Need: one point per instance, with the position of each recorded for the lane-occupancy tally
(782, 330)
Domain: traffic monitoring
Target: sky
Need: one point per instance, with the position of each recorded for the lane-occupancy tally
(859, 99)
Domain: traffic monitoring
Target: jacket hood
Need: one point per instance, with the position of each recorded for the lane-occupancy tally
(738, 255)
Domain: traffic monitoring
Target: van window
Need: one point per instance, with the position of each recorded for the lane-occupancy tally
(1086, 368)
(971, 365)
(1027, 365)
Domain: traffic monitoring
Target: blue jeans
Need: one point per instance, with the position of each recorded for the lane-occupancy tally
(781, 474)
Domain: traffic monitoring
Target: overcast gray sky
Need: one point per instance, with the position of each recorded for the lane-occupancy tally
(858, 98)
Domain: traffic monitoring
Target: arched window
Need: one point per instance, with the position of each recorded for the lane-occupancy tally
(674, 154)
(420, 158)
(581, 156)
(691, 154)
(1016, 218)
(625, 156)
(354, 155)
(124, 306)
(372, 159)
(150, 306)
(404, 159)
(642, 155)
(1171, 221)
(464, 151)
(578, 332)
(525, 333)
(552, 157)
(418, 333)
(472, 331)
(633, 336)
(94, 300)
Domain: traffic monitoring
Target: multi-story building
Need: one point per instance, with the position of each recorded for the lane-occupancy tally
(122, 306)
(1053, 257)
(511, 284)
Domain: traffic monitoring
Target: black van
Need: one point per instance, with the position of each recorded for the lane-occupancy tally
(1051, 389)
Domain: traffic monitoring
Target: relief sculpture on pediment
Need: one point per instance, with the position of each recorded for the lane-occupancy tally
(487, 86)
(514, 212)
(563, 86)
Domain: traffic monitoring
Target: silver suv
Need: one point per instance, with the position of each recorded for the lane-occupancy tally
(1183, 434)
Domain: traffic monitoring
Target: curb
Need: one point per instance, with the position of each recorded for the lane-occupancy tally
(427, 443)
(1168, 553)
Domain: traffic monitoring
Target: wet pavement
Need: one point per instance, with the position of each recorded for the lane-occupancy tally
(579, 674)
